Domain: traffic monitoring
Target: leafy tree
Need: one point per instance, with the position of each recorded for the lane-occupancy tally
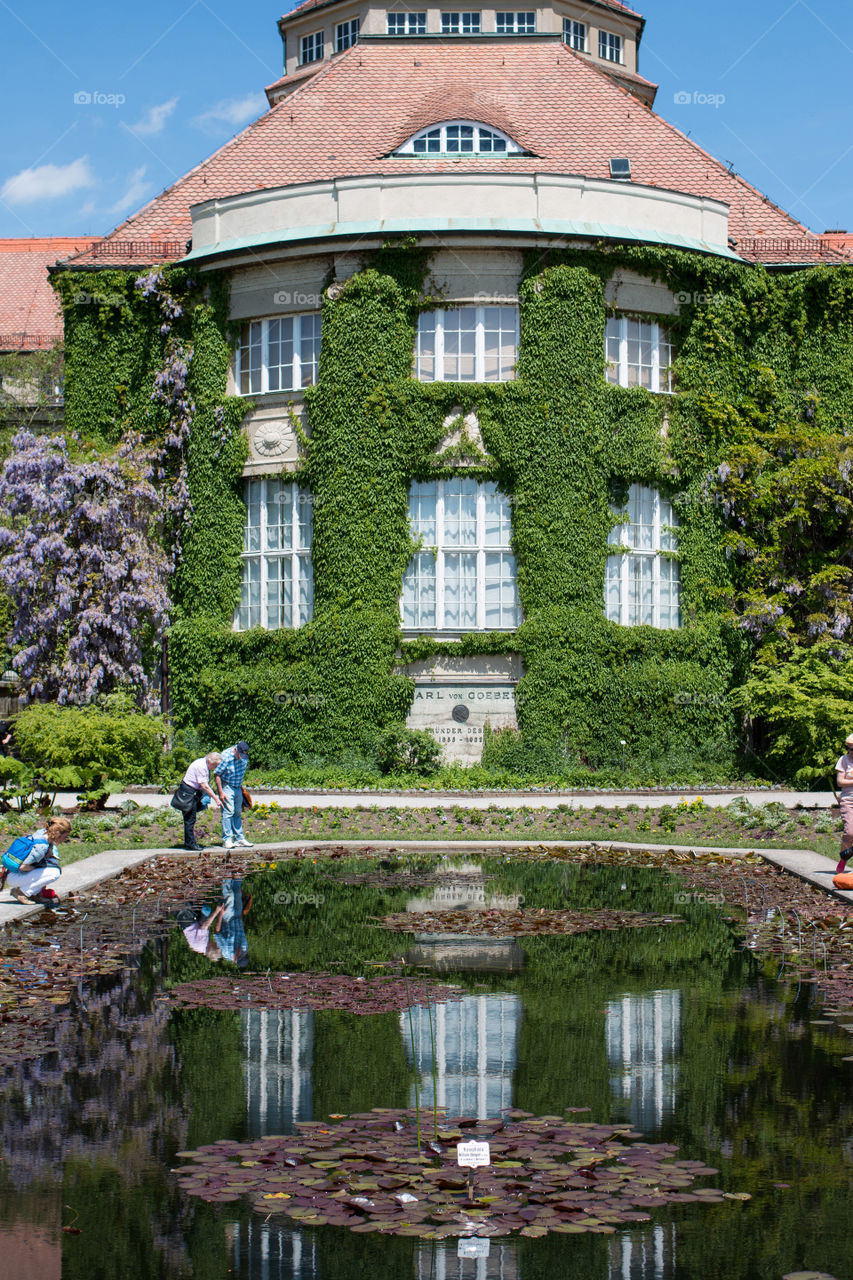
(806, 702)
(785, 489)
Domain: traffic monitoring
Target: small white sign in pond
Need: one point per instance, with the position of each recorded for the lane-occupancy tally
(473, 1248)
(470, 1155)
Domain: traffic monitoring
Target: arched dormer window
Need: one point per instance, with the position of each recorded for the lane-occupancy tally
(459, 137)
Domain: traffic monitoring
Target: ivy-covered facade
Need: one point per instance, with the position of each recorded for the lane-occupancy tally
(452, 444)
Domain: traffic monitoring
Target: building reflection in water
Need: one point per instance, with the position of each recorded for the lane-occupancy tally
(643, 1043)
(463, 885)
(643, 1255)
(476, 1052)
(265, 1251)
(439, 1260)
(278, 1049)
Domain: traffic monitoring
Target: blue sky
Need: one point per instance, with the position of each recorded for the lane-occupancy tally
(107, 104)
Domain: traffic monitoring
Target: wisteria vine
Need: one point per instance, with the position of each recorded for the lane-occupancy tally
(82, 560)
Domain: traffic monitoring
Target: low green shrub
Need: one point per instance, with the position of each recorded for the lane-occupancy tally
(109, 740)
(402, 750)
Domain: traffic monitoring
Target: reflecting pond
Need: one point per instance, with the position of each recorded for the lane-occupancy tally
(675, 1029)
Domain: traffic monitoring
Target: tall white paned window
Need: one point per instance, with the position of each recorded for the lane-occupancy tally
(278, 582)
(280, 354)
(642, 584)
(467, 344)
(639, 353)
(464, 577)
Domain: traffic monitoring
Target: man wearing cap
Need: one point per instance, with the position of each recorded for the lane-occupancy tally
(229, 776)
(844, 778)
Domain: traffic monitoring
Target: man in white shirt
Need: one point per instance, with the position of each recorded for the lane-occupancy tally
(844, 778)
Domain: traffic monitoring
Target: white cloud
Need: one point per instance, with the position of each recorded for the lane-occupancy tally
(137, 187)
(232, 111)
(48, 182)
(154, 119)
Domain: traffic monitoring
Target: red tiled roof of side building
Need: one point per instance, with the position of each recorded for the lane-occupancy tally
(30, 318)
(347, 119)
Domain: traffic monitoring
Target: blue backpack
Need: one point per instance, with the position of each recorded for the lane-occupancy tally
(18, 852)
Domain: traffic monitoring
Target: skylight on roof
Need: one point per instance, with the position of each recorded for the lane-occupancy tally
(459, 137)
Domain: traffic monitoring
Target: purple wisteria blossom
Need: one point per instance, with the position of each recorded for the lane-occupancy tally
(82, 562)
(171, 393)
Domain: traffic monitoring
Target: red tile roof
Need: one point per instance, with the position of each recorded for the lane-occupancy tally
(29, 316)
(348, 118)
(795, 250)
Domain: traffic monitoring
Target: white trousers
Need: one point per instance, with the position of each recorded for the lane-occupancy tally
(30, 882)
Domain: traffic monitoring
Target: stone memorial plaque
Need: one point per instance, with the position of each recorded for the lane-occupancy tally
(455, 698)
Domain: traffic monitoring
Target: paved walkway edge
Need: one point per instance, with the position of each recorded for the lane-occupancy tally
(380, 800)
(88, 872)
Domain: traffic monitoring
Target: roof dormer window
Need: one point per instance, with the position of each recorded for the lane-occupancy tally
(460, 24)
(459, 137)
(346, 35)
(407, 24)
(311, 48)
(516, 24)
(574, 34)
(609, 47)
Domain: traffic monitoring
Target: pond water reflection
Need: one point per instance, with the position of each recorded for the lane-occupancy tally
(676, 1029)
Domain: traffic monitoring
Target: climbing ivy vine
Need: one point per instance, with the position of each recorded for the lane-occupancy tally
(763, 405)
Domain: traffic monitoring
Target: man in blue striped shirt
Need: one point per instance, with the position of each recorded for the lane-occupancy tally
(229, 776)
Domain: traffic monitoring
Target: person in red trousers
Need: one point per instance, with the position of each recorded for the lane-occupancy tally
(844, 778)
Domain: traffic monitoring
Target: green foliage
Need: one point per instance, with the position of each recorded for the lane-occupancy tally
(806, 701)
(402, 750)
(764, 399)
(30, 384)
(111, 740)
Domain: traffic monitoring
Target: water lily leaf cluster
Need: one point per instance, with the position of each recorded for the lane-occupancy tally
(521, 923)
(366, 1172)
(312, 991)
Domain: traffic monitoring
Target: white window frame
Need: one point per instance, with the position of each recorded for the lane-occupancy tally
(312, 48)
(611, 47)
(259, 560)
(516, 22)
(430, 564)
(461, 22)
(653, 566)
(346, 34)
(575, 35)
(307, 341)
(435, 323)
(436, 141)
(620, 333)
(412, 24)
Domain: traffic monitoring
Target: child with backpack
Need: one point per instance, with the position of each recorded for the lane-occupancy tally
(39, 865)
